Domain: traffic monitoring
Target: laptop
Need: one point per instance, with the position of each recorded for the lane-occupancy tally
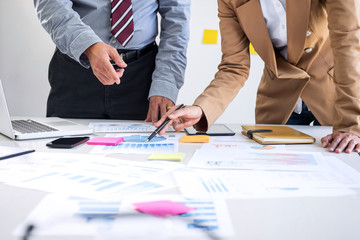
(23, 129)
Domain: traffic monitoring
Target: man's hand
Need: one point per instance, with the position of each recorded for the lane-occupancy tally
(341, 141)
(158, 104)
(181, 119)
(99, 56)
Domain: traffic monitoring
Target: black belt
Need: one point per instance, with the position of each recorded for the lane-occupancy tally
(132, 55)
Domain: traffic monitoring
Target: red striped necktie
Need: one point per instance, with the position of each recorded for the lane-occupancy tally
(122, 24)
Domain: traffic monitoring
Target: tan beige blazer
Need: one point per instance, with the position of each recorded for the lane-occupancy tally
(323, 66)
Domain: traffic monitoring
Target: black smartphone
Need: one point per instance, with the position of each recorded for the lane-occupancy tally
(214, 130)
(67, 142)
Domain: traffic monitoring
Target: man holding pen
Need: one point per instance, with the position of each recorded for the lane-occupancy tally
(93, 37)
(311, 50)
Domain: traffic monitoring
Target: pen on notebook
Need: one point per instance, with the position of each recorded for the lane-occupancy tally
(167, 120)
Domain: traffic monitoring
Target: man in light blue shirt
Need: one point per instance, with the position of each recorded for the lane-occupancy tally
(84, 84)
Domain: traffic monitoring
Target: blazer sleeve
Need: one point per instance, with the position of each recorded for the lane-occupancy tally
(232, 71)
(344, 29)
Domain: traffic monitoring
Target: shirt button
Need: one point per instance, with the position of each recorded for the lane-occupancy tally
(308, 50)
(113, 41)
(308, 33)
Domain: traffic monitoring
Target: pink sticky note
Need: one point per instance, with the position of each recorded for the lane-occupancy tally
(105, 141)
(162, 208)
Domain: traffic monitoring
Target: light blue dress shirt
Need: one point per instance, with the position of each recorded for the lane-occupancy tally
(76, 25)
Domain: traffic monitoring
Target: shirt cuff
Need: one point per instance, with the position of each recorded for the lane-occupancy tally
(163, 89)
(80, 44)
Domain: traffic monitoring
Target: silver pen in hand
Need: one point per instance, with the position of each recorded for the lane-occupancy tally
(167, 120)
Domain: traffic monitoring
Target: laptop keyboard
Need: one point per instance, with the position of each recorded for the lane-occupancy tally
(31, 126)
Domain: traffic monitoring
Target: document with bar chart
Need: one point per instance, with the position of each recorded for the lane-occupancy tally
(88, 175)
(124, 127)
(337, 180)
(69, 216)
(135, 143)
(258, 160)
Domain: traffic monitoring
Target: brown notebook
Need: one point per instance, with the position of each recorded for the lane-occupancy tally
(276, 135)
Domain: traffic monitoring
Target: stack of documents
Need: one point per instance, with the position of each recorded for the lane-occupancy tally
(93, 186)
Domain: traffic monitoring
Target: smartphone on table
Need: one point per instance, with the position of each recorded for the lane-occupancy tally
(67, 142)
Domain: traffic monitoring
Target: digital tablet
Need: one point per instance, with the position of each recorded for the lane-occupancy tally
(214, 130)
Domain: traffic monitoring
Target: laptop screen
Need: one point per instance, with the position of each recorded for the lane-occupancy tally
(5, 121)
(36, 127)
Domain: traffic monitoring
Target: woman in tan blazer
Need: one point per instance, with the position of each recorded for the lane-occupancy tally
(322, 68)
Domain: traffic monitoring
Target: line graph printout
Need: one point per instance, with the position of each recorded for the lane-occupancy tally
(135, 143)
(124, 127)
(59, 215)
(257, 160)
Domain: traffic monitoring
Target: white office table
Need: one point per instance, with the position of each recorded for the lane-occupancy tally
(305, 218)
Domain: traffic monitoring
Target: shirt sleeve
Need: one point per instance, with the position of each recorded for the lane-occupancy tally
(69, 33)
(168, 76)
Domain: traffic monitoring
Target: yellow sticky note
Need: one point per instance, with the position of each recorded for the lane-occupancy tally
(252, 50)
(167, 156)
(195, 139)
(210, 36)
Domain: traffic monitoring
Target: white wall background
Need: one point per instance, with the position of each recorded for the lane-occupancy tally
(26, 49)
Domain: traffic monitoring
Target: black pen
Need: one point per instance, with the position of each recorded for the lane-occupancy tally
(16, 154)
(167, 120)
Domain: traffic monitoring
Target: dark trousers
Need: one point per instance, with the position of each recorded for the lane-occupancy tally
(304, 118)
(77, 93)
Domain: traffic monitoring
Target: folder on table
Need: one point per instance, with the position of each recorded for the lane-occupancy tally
(276, 134)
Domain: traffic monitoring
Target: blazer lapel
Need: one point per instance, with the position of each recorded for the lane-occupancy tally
(252, 21)
(297, 21)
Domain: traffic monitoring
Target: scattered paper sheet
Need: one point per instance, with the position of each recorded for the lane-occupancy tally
(68, 216)
(87, 175)
(150, 185)
(256, 160)
(241, 146)
(135, 143)
(124, 127)
(244, 184)
(335, 179)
